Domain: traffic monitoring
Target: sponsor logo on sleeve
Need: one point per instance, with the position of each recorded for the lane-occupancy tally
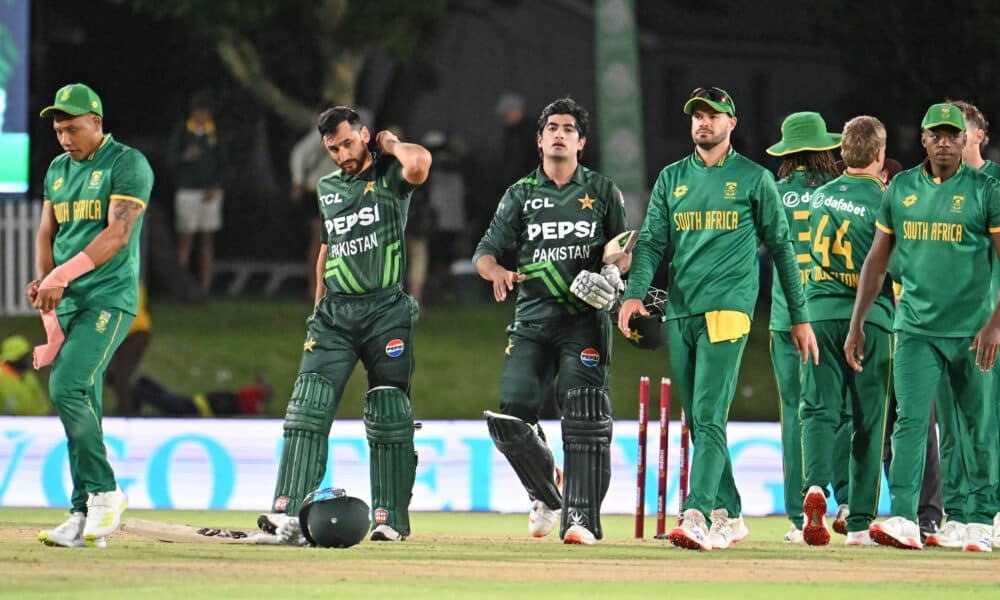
(590, 357)
(394, 348)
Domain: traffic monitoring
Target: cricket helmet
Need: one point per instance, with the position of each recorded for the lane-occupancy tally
(332, 519)
(650, 333)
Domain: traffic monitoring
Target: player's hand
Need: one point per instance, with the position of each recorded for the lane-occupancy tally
(48, 299)
(805, 342)
(31, 291)
(985, 344)
(614, 276)
(854, 348)
(593, 289)
(629, 308)
(385, 140)
(503, 282)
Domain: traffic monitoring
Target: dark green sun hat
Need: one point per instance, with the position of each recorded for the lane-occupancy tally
(804, 131)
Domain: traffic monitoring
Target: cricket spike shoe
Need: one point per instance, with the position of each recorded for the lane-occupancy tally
(692, 534)
(898, 532)
(542, 519)
(840, 520)
(951, 535)
(724, 531)
(794, 535)
(978, 538)
(578, 534)
(859, 538)
(384, 533)
(69, 534)
(104, 514)
(815, 532)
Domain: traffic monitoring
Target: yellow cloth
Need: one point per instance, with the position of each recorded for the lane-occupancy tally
(726, 325)
(201, 403)
(143, 321)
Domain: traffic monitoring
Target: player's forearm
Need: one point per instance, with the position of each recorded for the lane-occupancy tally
(790, 278)
(486, 265)
(320, 272)
(414, 158)
(44, 260)
(870, 282)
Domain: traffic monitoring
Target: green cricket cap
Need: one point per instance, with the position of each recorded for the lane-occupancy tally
(943, 114)
(716, 97)
(14, 348)
(75, 99)
(803, 131)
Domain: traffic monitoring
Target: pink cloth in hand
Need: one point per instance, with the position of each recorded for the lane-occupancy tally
(62, 275)
(46, 353)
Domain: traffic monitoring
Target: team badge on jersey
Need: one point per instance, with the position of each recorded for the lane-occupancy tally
(394, 348)
(102, 321)
(730, 190)
(590, 357)
(910, 200)
(381, 515)
(586, 202)
(956, 203)
(95, 179)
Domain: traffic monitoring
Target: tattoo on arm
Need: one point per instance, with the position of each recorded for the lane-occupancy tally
(126, 212)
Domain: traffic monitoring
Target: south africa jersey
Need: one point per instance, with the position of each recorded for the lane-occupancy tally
(943, 239)
(708, 221)
(795, 191)
(842, 221)
(557, 232)
(363, 221)
(80, 192)
(993, 170)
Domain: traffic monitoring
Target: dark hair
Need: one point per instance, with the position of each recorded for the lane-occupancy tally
(820, 166)
(331, 118)
(972, 113)
(566, 106)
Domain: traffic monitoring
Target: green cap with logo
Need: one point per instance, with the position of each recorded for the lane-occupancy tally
(804, 131)
(943, 114)
(75, 99)
(14, 348)
(716, 97)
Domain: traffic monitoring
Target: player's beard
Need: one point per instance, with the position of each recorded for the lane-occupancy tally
(710, 142)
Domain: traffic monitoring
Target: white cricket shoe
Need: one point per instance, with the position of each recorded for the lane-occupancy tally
(724, 531)
(104, 514)
(840, 519)
(814, 531)
(794, 536)
(542, 519)
(69, 534)
(898, 532)
(996, 529)
(384, 533)
(859, 538)
(578, 534)
(978, 538)
(952, 535)
(692, 532)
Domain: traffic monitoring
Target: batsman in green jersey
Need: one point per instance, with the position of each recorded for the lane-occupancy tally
(362, 313)
(842, 222)
(87, 261)
(943, 218)
(806, 149)
(705, 217)
(558, 220)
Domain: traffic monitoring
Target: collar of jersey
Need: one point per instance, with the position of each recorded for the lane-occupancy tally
(576, 178)
(863, 176)
(696, 159)
(930, 176)
(104, 142)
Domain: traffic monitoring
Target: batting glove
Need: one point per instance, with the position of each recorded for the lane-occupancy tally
(614, 276)
(593, 289)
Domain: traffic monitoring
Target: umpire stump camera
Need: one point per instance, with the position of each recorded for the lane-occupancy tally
(650, 333)
(331, 519)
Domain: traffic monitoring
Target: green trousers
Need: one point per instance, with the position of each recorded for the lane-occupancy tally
(75, 386)
(787, 365)
(832, 388)
(967, 421)
(706, 376)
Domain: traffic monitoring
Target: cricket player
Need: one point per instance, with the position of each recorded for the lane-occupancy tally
(362, 313)
(806, 149)
(87, 261)
(706, 215)
(558, 220)
(943, 218)
(842, 222)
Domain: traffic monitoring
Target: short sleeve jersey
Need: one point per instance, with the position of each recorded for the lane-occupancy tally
(993, 170)
(80, 192)
(795, 191)
(708, 221)
(364, 217)
(943, 239)
(556, 233)
(842, 221)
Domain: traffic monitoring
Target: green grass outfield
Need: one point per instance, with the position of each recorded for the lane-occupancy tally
(459, 351)
(475, 555)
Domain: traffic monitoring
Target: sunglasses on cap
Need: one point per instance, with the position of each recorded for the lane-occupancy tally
(712, 93)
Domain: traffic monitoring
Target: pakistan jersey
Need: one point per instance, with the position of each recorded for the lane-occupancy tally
(795, 191)
(557, 232)
(708, 220)
(80, 192)
(943, 238)
(842, 221)
(364, 217)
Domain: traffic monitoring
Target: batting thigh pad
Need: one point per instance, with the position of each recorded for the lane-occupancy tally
(528, 455)
(389, 425)
(586, 434)
(307, 429)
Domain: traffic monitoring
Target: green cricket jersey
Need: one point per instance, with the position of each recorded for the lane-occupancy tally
(993, 170)
(708, 220)
(842, 221)
(943, 239)
(795, 191)
(557, 232)
(364, 217)
(80, 192)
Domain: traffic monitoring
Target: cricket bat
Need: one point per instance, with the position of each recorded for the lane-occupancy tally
(173, 533)
(620, 245)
